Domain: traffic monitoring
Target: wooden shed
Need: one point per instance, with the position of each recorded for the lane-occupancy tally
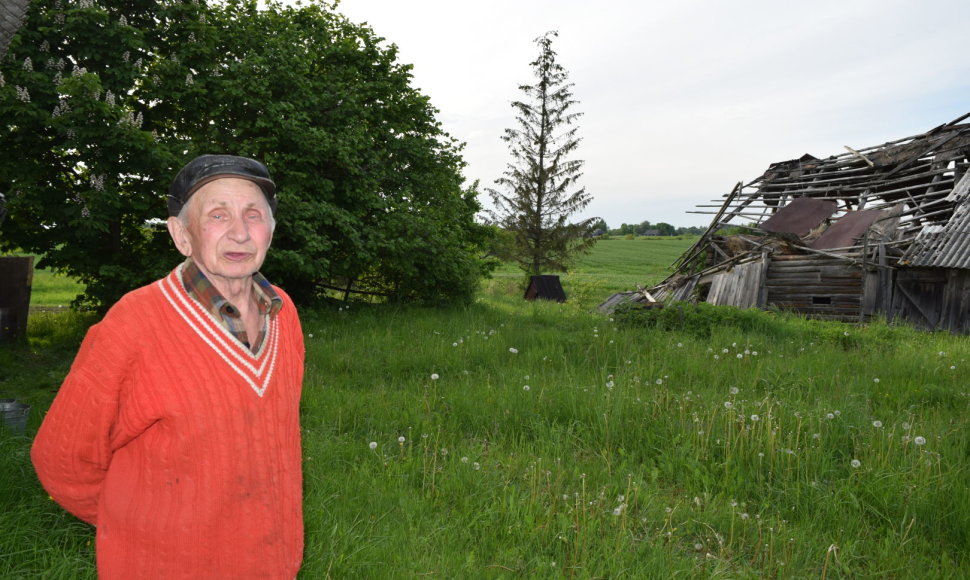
(882, 230)
(545, 287)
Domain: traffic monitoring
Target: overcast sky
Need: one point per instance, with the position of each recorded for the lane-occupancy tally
(682, 99)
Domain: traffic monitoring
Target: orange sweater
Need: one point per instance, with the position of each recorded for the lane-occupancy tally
(179, 444)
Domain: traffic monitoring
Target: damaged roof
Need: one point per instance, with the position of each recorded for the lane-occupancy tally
(905, 203)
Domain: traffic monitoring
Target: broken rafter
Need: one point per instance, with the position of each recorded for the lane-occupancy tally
(860, 156)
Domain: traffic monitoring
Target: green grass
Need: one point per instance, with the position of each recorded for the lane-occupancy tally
(543, 441)
(613, 265)
(51, 290)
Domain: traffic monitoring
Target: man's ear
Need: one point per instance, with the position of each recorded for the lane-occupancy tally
(181, 237)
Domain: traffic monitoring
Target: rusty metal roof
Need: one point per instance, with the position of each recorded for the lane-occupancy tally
(800, 217)
(848, 230)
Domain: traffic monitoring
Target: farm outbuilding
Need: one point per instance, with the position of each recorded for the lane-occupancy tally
(873, 231)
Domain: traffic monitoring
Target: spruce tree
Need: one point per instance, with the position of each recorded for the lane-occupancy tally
(540, 187)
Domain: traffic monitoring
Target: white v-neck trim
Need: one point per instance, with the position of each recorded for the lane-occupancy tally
(255, 368)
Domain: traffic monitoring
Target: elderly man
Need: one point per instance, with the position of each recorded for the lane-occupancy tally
(177, 431)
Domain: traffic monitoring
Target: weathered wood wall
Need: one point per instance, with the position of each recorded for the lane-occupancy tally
(741, 286)
(932, 298)
(816, 286)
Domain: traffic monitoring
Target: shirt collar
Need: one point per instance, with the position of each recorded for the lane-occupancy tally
(201, 288)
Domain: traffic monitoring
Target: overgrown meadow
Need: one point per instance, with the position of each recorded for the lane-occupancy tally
(542, 440)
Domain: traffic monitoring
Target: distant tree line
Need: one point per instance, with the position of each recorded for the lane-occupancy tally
(645, 228)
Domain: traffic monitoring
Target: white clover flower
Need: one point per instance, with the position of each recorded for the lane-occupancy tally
(373, 445)
(476, 466)
(919, 440)
(855, 463)
(513, 350)
(435, 376)
(877, 424)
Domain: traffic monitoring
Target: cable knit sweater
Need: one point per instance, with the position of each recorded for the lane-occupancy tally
(180, 444)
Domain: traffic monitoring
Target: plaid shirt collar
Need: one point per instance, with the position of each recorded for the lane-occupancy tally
(204, 292)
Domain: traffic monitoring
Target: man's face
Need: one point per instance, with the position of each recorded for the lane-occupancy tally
(228, 231)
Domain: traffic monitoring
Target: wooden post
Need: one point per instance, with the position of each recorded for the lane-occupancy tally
(16, 277)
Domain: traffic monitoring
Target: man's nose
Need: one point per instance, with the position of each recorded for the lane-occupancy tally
(239, 230)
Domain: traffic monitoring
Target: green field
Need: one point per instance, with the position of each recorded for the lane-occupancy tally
(541, 440)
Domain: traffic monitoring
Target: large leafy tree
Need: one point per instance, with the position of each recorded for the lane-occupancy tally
(107, 100)
(540, 189)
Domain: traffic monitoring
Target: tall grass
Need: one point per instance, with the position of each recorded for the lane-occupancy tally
(539, 440)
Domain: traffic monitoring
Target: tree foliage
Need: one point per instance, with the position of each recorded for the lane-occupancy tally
(540, 188)
(104, 102)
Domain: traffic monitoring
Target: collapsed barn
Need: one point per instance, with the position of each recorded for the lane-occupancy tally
(877, 231)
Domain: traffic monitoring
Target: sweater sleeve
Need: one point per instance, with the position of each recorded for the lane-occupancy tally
(72, 450)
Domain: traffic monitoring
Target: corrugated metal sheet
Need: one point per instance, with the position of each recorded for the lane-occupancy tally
(948, 245)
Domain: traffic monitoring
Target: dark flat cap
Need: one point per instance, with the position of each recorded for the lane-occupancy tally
(206, 168)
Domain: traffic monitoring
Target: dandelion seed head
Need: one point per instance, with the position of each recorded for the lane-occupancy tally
(919, 440)
(525, 387)
(373, 445)
(855, 463)
(513, 350)
(877, 424)
(401, 439)
(755, 418)
(435, 376)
